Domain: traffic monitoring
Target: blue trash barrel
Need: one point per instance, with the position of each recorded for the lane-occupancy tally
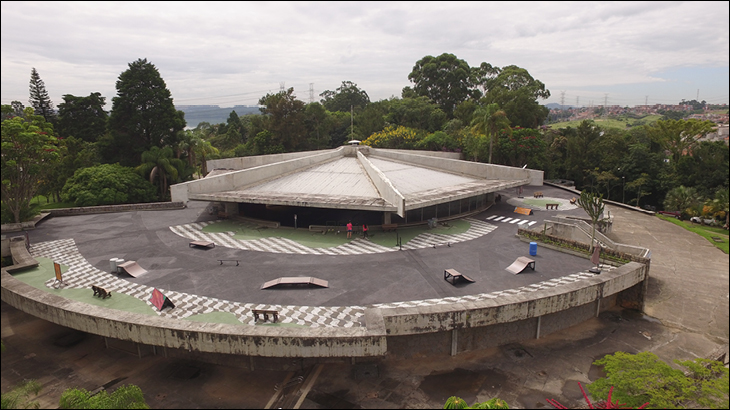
(533, 248)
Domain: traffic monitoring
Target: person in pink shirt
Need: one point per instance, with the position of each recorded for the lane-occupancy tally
(349, 229)
(365, 231)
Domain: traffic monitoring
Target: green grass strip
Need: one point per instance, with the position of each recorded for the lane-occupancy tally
(707, 232)
(37, 277)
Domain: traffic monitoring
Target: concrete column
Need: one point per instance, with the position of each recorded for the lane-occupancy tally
(539, 322)
(386, 217)
(454, 340)
(231, 209)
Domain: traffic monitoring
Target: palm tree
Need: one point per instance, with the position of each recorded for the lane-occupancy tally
(721, 204)
(161, 165)
(489, 120)
(680, 199)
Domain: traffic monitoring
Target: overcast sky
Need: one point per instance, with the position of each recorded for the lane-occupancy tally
(235, 52)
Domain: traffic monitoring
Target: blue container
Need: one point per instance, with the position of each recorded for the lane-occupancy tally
(533, 248)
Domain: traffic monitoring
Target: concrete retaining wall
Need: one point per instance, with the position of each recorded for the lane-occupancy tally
(83, 210)
(240, 163)
(384, 186)
(240, 179)
(447, 328)
(475, 169)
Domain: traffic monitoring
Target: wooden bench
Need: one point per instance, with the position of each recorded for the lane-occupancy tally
(551, 206)
(537, 194)
(389, 227)
(266, 313)
(202, 244)
(523, 211)
(101, 292)
(222, 215)
(454, 276)
(520, 264)
(228, 260)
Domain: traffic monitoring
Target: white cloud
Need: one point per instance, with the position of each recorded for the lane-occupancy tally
(233, 53)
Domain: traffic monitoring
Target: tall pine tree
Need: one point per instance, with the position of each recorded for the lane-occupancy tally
(39, 99)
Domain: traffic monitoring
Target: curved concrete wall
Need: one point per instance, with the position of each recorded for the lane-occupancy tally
(519, 314)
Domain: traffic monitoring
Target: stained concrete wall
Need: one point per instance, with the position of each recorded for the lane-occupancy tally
(505, 309)
(475, 169)
(397, 331)
(240, 179)
(384, 186)
(240, 163)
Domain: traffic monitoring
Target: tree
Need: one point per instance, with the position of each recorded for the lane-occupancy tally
(681, 199)
(344, 97)
(522, 146)
(490, 120)
(82, 117)
(29, 150)
(124, 397)
(517, 93)
(107, 184)
(143, 115)
(419, 112)
(39, 100)
(161, 166)
(678, 136)
(720, 205)
(445, 79)
(284, 118)
(593, 205)
(643, 377)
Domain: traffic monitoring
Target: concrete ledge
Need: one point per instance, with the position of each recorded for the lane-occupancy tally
(505, 309)
(21, 257)
(265, 341)
(84, 210)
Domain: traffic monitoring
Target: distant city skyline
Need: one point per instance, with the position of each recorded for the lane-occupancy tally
(226, 54)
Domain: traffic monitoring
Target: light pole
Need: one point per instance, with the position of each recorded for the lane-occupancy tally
(623, 190)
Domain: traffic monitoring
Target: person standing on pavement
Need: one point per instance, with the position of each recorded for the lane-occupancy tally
(365, 231)
(349, 229)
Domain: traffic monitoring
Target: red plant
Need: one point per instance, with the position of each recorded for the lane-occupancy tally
(608, 404)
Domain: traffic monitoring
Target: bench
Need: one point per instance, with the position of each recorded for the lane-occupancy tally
(222, 215)
(389, 227)
(202, 244)
(228, 260)
(266, 313)
(101, 292)
(523, 211)
(520, 264)
(454, 276)
(551, 206)
(537, 194)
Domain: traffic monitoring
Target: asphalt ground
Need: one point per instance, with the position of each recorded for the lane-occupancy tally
(687, 301)
(365, 279)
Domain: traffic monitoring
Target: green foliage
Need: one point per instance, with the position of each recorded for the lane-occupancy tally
(438, 141)
(643, 377)
(345, 97)
(678, 136)
(517, 92)
(159, 165)
(681, 199)
(39, 100)
(395, 137)
(455, 402)
(143, 115)
(107, 184)
(82, 117)
(593, 205)
(522, 146)
(20, 396)
(445, 79)
(124, 397)
(284, 119)
(490, 120)
(29, 151)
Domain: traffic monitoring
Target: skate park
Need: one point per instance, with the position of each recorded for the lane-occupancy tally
(381, 299)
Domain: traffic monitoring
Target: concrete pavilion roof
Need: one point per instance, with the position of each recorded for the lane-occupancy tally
(352, 177)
